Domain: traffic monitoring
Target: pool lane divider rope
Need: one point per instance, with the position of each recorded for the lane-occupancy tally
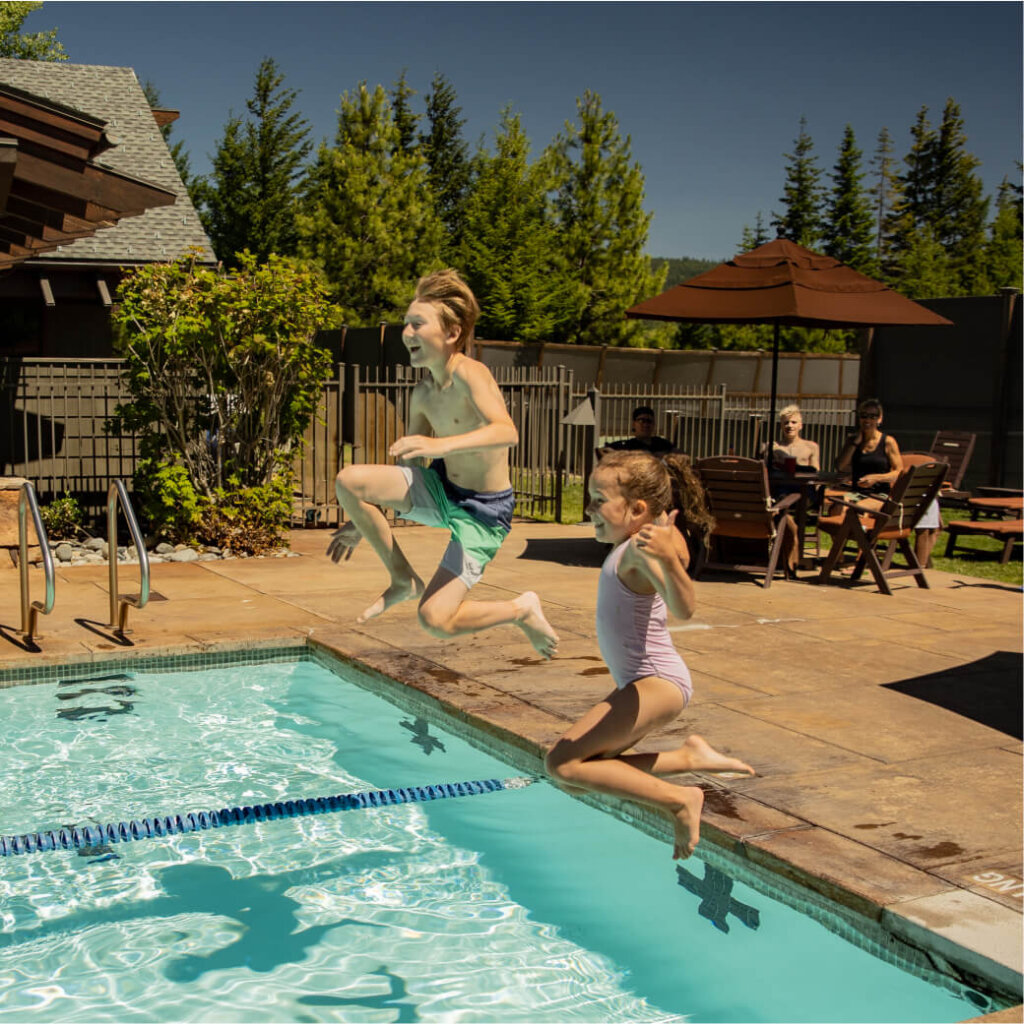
(196, 821)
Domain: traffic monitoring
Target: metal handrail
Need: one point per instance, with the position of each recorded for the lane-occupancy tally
(27, 502)
(119, 604)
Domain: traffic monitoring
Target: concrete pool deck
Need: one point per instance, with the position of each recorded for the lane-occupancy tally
(883, 729)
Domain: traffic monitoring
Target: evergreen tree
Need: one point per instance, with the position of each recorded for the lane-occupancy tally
(251, 200)
(368, 218)
(509, 250)
(802, 194)
(602, 227)
(1004, 253)
(180, 155)
(959, 207)
(405, 120)
(941, 204)
(847, 231)
(26, 45)
(754, 236)
(447, 157)
(885, 196)
(925, 268)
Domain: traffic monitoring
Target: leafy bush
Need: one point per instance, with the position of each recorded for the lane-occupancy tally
(249, 519)
(224, 377)
(167, 500)
(62, 518)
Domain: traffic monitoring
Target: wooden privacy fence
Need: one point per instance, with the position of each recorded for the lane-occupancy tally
(53, 414)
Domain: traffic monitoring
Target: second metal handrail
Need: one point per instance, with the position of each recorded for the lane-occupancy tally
(119, 604)
(27, 503)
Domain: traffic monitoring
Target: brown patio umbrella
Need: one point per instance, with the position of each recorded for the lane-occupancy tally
(783, 283)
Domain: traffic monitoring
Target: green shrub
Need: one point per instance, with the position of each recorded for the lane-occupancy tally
(62, 518)
(245, 519)
(249, 519)
(167, 500)
(224, 375)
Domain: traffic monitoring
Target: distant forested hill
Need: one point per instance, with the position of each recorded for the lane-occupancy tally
(682, 269)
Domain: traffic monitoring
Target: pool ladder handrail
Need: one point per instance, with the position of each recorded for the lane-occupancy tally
(28, 503)
(119, 604)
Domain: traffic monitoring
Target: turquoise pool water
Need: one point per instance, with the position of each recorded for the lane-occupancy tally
(513, 906)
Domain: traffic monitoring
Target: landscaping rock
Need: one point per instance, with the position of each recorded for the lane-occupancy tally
(64, 553)
(164, 548)
(184, 555)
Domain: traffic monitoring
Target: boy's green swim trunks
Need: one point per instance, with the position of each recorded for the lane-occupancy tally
(479, 521)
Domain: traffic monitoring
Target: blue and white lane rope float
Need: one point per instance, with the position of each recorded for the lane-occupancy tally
(196, 821)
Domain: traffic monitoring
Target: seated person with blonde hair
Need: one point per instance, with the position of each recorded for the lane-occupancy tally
(805, 453)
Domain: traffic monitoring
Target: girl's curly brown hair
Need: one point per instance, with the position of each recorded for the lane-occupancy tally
(665, 482)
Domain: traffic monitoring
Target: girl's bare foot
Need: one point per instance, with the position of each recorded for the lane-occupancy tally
(697, 755)
(400, 590)
(687, 821)
(533, 623)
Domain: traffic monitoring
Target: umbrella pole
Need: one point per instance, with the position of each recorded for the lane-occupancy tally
(770, 433)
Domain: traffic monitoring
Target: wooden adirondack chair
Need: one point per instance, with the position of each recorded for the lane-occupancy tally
(889, 526)
(740, 500)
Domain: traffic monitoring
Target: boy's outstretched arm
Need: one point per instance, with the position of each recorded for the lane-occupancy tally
(472, 381)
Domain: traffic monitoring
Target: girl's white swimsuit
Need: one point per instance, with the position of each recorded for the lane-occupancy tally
(632, 631)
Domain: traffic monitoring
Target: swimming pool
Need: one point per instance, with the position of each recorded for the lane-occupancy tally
(523, 905)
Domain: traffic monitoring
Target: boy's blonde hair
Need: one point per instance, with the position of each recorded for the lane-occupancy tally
(790, 410)
(455, 303)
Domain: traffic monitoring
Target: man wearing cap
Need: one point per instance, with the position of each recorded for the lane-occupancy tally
(644, 438)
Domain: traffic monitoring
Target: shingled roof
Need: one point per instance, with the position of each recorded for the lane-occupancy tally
(114, 95)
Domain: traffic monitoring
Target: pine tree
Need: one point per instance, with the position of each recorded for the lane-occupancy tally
(802, 194)
(368, 218)
(26, 45)
(179, 154)
(885, 196)
(960, 209)
(602, 227)
(1004, 252)
(509, 252)
(447, 158)
(847, 231)
(941, 204)
(250, 201)
(756, 236)
(925, 268)
(405, 120)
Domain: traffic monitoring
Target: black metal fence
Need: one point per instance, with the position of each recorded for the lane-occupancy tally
(53, 415)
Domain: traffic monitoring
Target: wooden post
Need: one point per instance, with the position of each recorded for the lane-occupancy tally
(1001, 391)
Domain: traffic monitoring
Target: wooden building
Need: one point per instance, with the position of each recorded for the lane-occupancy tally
(88, 189)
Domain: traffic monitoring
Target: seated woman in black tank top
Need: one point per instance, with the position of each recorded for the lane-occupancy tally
(871, 457)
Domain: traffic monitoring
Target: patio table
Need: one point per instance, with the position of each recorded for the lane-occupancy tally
(807, 484)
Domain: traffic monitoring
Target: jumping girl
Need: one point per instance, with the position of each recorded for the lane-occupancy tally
(635, 499)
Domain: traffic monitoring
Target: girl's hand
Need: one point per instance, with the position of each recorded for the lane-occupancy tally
(417, 446)
(657, 538)
(868, 481)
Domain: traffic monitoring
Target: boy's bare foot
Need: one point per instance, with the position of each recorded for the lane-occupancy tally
(699, 756)
(687, 821)
(400, 590)
(533, 623)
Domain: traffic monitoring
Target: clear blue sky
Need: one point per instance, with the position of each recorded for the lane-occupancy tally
(711, 93)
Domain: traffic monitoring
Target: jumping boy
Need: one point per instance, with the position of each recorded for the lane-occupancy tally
(458, 423)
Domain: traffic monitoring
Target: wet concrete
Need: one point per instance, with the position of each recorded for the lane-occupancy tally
(885, 730)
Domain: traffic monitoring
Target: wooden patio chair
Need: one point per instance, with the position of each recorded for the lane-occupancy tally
(886, 529)
(740, 500)
(954, 447)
